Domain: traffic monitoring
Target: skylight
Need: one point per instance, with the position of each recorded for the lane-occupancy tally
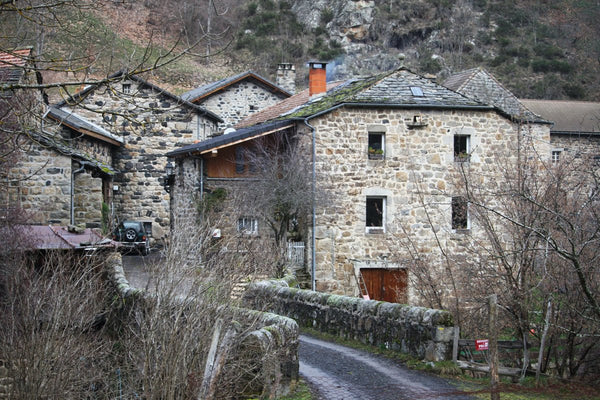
(416, 91)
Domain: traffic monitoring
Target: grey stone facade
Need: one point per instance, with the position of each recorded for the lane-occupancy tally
(418, 170)
(235, 98)
(151, 122)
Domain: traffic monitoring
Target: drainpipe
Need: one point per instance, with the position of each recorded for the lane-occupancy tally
(73, 172)
(314, 218)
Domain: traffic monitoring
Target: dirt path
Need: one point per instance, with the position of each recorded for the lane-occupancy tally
(337, 372)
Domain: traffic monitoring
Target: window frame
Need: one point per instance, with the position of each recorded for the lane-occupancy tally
(245, 221)
(465, 225)
(372, 152)
(557, 152)
(376, 228)
(462, 153)
(126, 88)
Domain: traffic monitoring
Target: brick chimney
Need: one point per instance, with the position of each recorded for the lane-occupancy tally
(286, 77)
(317, 78)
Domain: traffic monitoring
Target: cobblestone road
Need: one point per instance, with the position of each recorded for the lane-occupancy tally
(340, 373)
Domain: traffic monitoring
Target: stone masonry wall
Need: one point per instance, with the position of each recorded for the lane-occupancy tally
(88, 200)
(239, 101)
(417, 179)
(577, 146)
(421, 332)
(45, 195)
(272, 344)
(151, 124)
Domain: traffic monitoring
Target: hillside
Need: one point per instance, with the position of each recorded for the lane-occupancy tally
(538, 48)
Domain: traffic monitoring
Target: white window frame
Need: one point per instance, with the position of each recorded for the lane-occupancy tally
(555, 155)
(126, 88)
(376, 229)
(247, 225)
(457, 158)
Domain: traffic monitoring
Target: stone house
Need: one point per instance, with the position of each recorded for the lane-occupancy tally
(385, 150)
(575, 132)
(235, 98)
(57, 167)
(148, 121)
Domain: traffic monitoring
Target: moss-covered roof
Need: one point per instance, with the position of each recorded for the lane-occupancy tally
(394, 89)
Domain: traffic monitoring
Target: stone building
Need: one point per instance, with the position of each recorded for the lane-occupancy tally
(56, 167)
(149, 121)
(236, 97)
(386, 151)
(575, 133)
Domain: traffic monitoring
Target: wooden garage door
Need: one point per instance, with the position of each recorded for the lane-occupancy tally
(386, 284)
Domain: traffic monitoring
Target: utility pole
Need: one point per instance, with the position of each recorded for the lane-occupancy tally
(493, 314)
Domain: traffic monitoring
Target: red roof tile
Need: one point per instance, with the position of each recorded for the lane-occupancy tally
(16, 58)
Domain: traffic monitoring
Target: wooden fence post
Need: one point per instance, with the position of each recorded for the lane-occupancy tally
(455, 344)
(493, 347)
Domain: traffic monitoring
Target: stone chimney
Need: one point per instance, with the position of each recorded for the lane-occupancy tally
(317, 78)
(286, 77)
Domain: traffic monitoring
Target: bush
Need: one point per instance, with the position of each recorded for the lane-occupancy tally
(541, 65)
(574, 90)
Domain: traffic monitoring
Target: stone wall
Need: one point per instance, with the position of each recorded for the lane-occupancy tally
(583, 147)
(151, 124)
(421, 332)
(416, 177)
(240, 100)
(40, 185)
(88, 200)
(272, 344)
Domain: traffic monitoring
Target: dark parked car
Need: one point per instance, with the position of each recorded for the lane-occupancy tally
(131, 234)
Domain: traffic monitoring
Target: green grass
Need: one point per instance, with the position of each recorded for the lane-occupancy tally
(302, 392)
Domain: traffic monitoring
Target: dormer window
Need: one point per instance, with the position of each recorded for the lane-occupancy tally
(126, 88)
(416, 91)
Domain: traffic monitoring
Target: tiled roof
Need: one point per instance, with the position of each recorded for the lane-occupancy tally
(12, 65)
(206, 90)
(123, 74)
(59, 145)
(227, 139)
(478, 84)
(81, 124)
(280, 108)
(400, 88)
(16, 58)
(568, 116)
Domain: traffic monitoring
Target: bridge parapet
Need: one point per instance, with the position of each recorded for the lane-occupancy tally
(421, 332)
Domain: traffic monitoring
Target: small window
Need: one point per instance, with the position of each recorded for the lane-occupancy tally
(247, 225)
(460, 213)
(376, 146)
(126, 88)
(556, 156)
(376, 214)
(462, 148)
(416, 91)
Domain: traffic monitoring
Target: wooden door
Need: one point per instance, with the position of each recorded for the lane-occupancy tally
(386, 284)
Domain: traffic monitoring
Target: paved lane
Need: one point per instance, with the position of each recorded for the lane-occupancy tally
(342, 373)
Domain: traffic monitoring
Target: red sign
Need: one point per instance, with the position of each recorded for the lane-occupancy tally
(481, 344)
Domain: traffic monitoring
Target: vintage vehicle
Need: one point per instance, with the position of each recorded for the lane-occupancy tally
(131, 234)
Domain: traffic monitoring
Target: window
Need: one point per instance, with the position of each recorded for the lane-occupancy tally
(126, 88)
(556, 156)
(247, 225)
(376, 145)
(376, 214)
(462, 148)
(416, 91)
(460, 213)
